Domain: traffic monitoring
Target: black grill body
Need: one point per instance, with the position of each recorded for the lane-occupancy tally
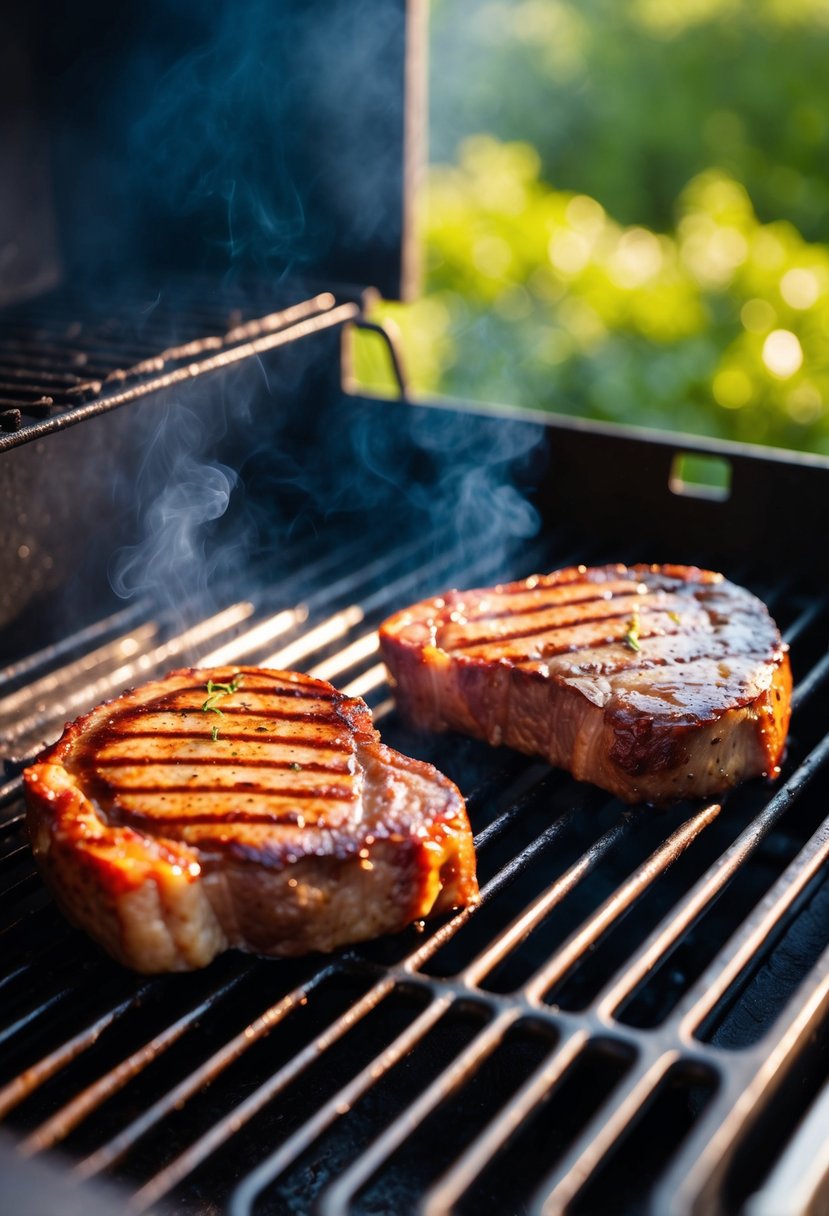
(170, 137)
(636, 1018)
(635, 1015)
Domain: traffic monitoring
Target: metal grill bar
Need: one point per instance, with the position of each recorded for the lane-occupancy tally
(104, 356)
(15, 854)
(745, 944)
(692, 905)
(166, 379)
(332, 630)
(656, 1056)
(353, 585)
(540, 907)
(265, 632)
(366, 684)
(594, 1144)
(64, 1120)
(77, 642)
(27, 732)
(810, 615)
(365, 647)
(766, 1067)
(620, 901)
(113, 1150)
(810, 684)
(13, 1028)
(799, 1179)
(449, 1188)
(12, 789)
(200, 1150)
(26, 1083)
(42, 691)
(246, 1194)
(337, 1198)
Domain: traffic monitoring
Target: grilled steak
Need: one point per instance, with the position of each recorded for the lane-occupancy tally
(259, 810)
(653, 682)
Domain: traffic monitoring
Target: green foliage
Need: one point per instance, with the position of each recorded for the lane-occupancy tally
(627, 100)
(642, 286)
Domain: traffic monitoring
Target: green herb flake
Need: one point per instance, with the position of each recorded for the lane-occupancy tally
(215, 691)
(675, 617)
(631, 638)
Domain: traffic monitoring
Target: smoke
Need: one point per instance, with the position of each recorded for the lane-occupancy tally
(181, 494)
(463, 477)
(207, 497)
(229, 137)
(209, 141)
(482, 470)
(263, 140)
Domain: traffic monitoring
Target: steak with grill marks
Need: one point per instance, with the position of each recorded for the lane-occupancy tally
(653, 682)
(259, 810)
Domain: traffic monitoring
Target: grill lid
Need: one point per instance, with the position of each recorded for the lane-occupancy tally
(277, 138)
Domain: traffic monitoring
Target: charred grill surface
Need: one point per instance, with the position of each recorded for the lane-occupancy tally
(574, 1033)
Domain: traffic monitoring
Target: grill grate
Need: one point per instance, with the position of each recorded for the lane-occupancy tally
(639, 999)
(64, 358)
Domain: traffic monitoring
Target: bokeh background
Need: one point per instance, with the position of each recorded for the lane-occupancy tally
(626, 214)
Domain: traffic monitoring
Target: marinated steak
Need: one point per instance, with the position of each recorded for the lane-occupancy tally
(241, 807)
(653, 682)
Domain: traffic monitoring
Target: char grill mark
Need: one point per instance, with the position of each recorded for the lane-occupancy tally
(316, 692)
(272, 807)
(518, 602)
(338, 793)
(277, 715)
(131, 799)
(288, 819)
(540, 629)
(515, 599)
(566, 618)
(588, 636)
(324, 743)
(217, 762)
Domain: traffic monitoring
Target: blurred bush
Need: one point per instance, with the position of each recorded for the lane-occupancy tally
(648, 251)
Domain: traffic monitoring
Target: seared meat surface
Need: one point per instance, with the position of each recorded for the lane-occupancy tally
(241, 807)
(653, 682)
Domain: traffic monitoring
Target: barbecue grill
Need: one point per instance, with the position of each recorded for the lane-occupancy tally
(637, 1015)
